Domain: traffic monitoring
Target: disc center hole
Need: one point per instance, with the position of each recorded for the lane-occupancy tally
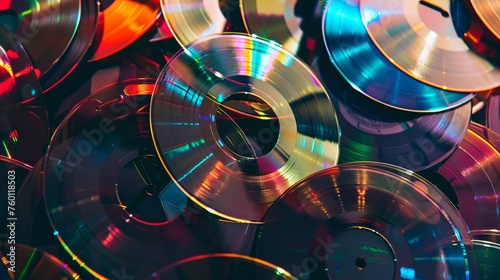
(360, 263)
(247, 125)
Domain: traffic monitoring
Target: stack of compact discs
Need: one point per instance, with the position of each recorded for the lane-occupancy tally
(56, 34)
(373, 73)
(111, 204)
(250, 139)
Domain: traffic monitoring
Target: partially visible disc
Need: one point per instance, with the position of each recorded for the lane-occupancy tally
(274, 20)
(374, 132)
(31, 264)
(478, 23)
(222, 266)
(471, 179)
(122, 23)
(190, 20)
(12, 175)
(45, 27)
(493, 112)
(110, 202)
(420, 39)
(24, 130)
(364, 219)
(238, 120)
(80, 44)
(367, 70)
(486, 133)
(24, 134)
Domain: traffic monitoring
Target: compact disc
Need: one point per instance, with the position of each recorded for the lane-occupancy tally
(489, 12)
(189, 20)
(363, 219)
(420, 39)
(374, 132)
(470, 177)
(222, 266)
(13, 173)
(478, 23)
(45, 27)
(237, 120)
(110, 202)
(274, 20)
(486, 133)
(122, 22)
(367, 70)
(25, 263)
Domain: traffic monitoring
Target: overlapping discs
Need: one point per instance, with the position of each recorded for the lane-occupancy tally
(110, 202)
(471, 179)
(367, 70)
(426, 45)
(121, 23)
(238, 120)
(190, 20)
(46, 28)
(24, 128)
(31, 263)
(478, 23)
(80, 44)
(374, 132)
(222, 266)
(364, 219)
(274, 20)
(490, 235)
(32, 226)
